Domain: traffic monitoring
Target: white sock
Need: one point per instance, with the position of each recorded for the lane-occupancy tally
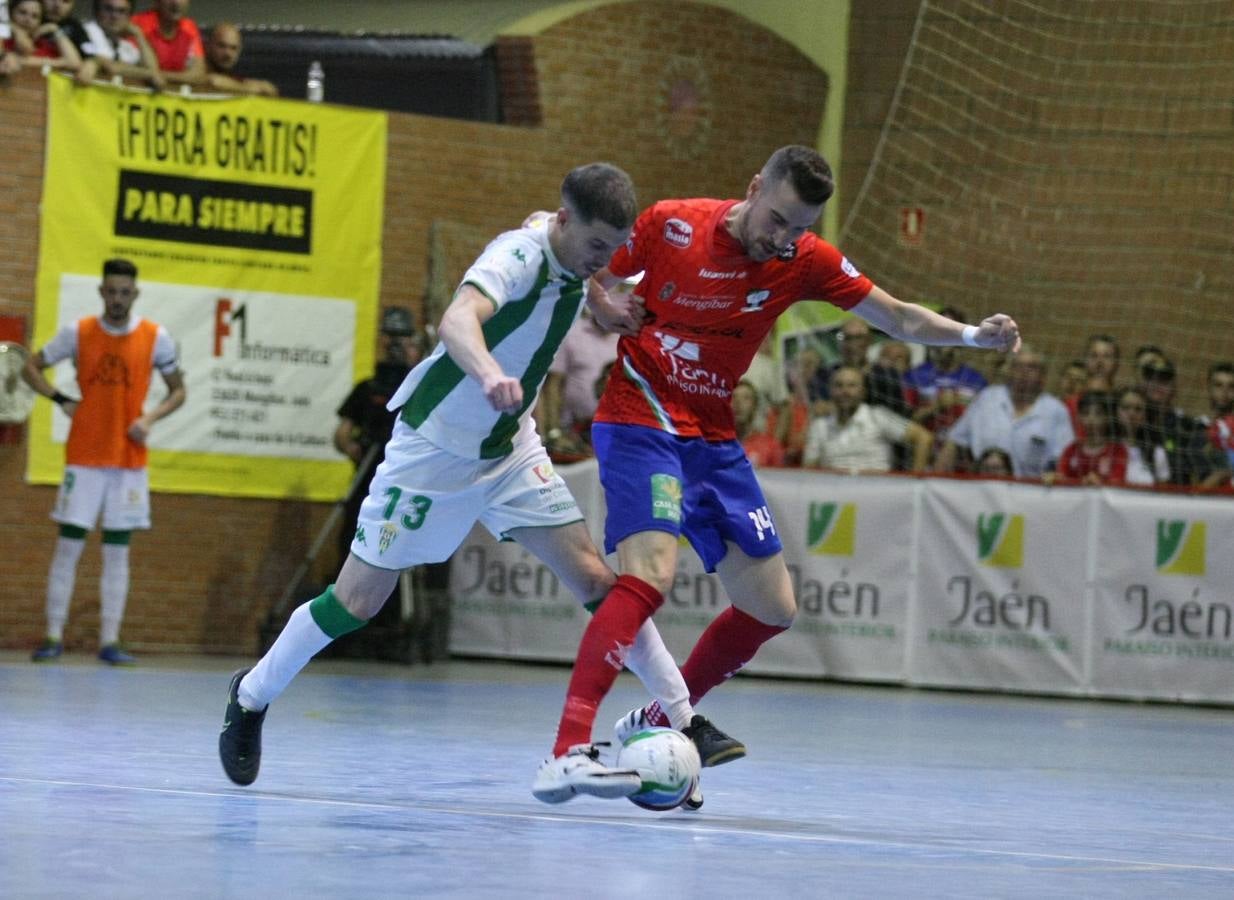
(60, 581)
(114, 591)
(299, 642)
(650, 660)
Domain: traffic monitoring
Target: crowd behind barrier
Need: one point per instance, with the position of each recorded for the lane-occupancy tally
(159, 48)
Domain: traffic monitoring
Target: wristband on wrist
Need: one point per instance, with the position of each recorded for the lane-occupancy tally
(60, 399)
(969, 336)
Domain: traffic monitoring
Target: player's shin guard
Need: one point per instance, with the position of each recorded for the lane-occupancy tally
(601, 656)
(729, 642)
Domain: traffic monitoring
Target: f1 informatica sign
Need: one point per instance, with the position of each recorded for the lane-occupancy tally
(256, 228)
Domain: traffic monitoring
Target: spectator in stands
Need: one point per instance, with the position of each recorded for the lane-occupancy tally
(115, 47)
(766, 373)
(568, 399)
(1149, 354)
(1147, 463)
(856, 436)
(895, 355)
(1099, 457)
(994, 463)
(1167, 424)
(1019, 416)
(940, 389)
(750, 417)
(1100, 367)
(1213, 444)
(790, 422)
(882, 384)
(223, 46)
(39, 43)
(60, 14)
(175, 39)
(1073, 379)
(1101, 362)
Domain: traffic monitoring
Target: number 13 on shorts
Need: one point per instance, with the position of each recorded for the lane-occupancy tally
(761, 518)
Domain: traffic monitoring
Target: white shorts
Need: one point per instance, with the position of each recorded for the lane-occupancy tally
(423, 501)
(121, 495)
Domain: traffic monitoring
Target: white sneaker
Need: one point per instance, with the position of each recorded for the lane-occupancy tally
(580, 771)
(695, 801)
(649, 716)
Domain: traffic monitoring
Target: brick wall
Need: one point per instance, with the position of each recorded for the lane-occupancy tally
(677, 94)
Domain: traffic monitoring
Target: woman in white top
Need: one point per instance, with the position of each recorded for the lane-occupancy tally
(1147, 462)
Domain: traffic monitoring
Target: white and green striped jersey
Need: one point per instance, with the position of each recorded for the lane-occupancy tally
(537, 301)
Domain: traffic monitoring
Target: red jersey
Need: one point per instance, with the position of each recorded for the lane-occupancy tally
(709, 307)
(173, 54)
(1109, 462)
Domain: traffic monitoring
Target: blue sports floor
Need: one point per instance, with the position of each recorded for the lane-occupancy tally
(389, 781)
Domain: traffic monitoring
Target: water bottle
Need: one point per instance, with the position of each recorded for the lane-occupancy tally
(316, 83)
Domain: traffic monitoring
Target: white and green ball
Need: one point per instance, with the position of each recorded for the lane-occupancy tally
(668, 763)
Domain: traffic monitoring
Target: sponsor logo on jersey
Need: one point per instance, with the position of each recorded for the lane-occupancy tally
(849, 269)
(703, 303)
(712, 273)
(678, 233)
(788, 253)
(544, 471)
(668, 290)
(755, 301)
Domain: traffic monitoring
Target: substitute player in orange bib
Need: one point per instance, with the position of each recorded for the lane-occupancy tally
(105, 456)
(717, 274)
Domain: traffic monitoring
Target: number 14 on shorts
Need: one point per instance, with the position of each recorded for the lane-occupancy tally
(761, 518)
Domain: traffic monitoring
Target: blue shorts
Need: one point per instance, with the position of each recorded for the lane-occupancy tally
(655, 481)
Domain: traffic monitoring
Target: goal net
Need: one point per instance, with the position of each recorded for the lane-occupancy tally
(1070, 162)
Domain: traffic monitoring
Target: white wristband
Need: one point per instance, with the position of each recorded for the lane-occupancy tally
(969, 336)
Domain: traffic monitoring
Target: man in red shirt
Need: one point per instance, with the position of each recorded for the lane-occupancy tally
(717, 274)
(175, 39)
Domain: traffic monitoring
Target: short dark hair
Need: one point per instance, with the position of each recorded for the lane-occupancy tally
(600, 191)
(1222, 368)
(805, 168)
(1101, 401)
(119, 266)
(1102, 339)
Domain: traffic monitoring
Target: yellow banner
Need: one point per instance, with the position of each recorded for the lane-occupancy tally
(256, 228)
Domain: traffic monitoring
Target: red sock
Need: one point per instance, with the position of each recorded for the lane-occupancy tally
(601, 656)
(728, 644)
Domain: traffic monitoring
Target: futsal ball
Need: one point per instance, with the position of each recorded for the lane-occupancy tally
(668, 763)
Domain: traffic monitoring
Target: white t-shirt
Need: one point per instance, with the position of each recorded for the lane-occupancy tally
(537, 301)
(1138, 469)
(1034, 440)
(862, 443)
(126, 51)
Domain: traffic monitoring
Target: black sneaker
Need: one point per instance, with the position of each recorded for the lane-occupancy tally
(714, 746)
(240, 739)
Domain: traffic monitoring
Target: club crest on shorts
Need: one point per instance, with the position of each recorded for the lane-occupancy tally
(388, 533)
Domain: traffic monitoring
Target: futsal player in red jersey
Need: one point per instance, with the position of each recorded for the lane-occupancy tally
(717, 273)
